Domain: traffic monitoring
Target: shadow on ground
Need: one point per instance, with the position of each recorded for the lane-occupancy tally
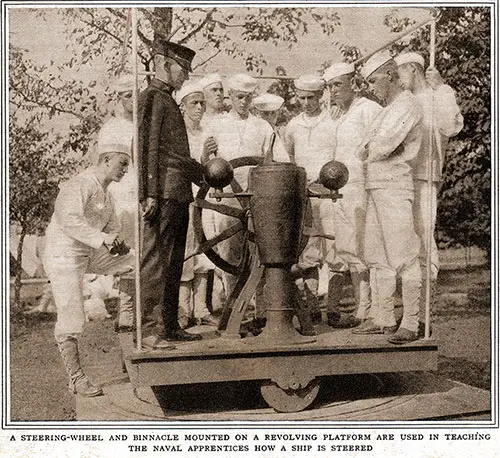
(232, 396)
(473, 373)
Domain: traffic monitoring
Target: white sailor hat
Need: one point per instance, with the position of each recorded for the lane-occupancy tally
(338, 69)
(309, 83)
(268, 102)
(187, 89)
(124, 83)
(113, 141)
(208, 80)
(242, 82)
(409, 57)
(374, 62)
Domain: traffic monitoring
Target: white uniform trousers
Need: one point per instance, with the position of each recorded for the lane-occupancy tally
(199, 263)
(425, 223)
(318, 246)
(193, 289)
(66, 277)
(392, 248)
(350, 218)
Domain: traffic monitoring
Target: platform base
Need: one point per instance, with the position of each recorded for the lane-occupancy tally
(391, 397)
(337, 352)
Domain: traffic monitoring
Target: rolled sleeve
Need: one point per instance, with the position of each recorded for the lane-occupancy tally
(448, 118)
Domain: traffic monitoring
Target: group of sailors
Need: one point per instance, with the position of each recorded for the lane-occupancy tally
(377, 232)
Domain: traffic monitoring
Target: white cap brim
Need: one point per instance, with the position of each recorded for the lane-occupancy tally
(339, 69)
(375, 62)
(409, 58)
(311, 83)
(242, 83)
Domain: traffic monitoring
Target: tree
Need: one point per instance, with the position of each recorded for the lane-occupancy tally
(463, 59)
(41, 90)
(35, 170)
(38, 159)
(100, 32)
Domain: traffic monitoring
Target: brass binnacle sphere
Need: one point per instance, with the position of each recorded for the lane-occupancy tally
(334, 175)
(218, 173)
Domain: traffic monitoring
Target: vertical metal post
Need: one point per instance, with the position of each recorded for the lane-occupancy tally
(430, 235)
(137, 228)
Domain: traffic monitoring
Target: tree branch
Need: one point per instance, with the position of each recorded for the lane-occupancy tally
(102, 29)
(44, 104)
(225, 25)
(118, 39)
(202, 24)
(173, 33)
(37, 79)
(143, 37)
(208, 59)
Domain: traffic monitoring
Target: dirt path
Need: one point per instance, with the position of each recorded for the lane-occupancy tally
(38, 381)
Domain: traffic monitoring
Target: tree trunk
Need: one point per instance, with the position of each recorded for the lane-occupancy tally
(17, 283)
(163, 28)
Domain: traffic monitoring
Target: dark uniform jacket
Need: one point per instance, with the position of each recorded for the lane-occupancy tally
(166, 168)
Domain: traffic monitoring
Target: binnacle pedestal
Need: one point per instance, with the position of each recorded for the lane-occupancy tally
(277, 203)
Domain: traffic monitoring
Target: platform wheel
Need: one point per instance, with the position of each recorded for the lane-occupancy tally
(290, 399)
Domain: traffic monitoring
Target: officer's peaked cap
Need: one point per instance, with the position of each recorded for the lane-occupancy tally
(181, 54)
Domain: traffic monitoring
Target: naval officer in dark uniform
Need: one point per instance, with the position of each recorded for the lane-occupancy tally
(166, 173)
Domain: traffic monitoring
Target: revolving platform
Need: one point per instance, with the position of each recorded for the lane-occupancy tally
(290, 358)
(362, 393)
(286, 372)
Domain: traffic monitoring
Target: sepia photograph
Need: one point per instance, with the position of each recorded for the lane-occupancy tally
(253, 227)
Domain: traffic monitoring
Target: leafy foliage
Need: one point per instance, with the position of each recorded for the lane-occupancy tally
(50, 92)
(463, 59)
(100, 32)
(285, 89)
(35, 168)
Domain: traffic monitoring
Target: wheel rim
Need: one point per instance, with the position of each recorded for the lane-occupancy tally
(291, 399)
(240, 220)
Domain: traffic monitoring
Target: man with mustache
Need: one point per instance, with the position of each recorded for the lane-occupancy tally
(166, 171)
